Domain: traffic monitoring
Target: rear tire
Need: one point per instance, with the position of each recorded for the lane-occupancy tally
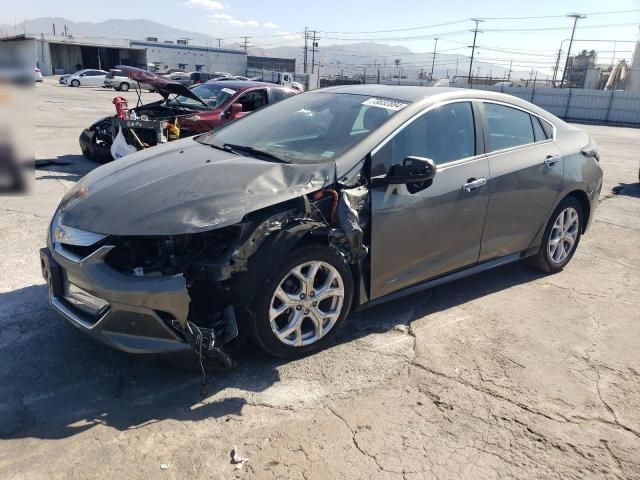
(561, 237)
(310, 295)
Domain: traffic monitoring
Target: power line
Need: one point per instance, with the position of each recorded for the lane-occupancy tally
(559, 16)
(556, 28)
(403, 29)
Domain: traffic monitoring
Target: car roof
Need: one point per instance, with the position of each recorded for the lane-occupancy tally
(423, 96)
(397, 92)
(242, 84)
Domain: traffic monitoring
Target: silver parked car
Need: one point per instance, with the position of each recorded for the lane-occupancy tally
(86, 78)
(120, 81)
(279, 224)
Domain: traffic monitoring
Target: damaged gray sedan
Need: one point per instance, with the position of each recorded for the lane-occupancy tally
(281, 223)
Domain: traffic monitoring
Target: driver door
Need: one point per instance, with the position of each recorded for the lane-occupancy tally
(438, 229)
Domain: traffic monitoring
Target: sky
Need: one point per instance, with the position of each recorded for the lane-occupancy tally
(531, 42)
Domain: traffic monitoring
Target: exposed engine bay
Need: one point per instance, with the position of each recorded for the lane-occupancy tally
(226, 267)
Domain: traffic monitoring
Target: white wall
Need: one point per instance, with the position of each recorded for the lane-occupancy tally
(214, 60)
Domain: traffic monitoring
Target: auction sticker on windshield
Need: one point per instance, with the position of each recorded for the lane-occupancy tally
(385, 103)
(229, 91)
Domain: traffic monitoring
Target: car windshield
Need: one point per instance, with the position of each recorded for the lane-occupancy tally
(308, 128)
(212, 95)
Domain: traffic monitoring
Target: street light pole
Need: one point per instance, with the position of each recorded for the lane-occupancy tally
(576, 17)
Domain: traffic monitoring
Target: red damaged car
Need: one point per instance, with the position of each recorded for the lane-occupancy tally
(194, 110)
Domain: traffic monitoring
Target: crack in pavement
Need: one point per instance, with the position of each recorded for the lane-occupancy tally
(355, 441)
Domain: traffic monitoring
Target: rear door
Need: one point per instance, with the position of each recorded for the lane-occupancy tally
(418, 235)
(253, 100)
(526, 177)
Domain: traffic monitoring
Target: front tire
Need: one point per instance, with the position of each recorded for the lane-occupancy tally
(124, 87)
(75, 83)
(304, 304)
(561, 237)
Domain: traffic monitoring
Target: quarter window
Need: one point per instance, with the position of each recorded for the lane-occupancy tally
(538, 131)
(444, 134)
(508, 127)
(547, 127)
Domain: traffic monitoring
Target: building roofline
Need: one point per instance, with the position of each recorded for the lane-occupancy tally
(200, 48)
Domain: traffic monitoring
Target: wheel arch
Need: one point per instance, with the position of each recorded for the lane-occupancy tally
(582, 197)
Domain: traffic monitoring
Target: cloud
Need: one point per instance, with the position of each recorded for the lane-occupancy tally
(287, 35)
(269, 25)
(208, 4)
(234, 22)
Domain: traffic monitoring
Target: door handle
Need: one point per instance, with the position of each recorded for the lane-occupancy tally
(551, 160)
(474, 183)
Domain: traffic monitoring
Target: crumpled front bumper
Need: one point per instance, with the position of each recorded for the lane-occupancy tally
(129, 313)
(92, 150)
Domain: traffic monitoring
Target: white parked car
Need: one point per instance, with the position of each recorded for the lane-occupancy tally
(119, 81)
(86, 78)
(37, 75)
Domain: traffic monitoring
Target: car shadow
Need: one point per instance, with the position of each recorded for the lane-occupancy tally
(58, 382)
(627, 189)
(65, 167)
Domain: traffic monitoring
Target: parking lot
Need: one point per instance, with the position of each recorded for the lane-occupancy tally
(507, 374)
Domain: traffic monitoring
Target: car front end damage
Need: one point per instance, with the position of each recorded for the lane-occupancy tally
(174, 293)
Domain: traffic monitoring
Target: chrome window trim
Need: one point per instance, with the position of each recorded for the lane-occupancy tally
(452, 163)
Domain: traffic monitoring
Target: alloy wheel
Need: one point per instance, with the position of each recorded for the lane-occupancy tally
(306, 303)
(564, 235)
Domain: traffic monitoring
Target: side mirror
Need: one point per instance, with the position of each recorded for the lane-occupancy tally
(413, 170)
(234, 110)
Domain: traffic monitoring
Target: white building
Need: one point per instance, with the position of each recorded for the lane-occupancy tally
(59, 54)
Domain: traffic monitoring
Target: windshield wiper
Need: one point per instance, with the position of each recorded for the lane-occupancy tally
(254, 152)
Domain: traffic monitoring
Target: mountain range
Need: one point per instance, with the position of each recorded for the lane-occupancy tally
(347, 59)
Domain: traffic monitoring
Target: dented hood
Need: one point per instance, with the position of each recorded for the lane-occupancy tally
(183, 187)
(162, 85)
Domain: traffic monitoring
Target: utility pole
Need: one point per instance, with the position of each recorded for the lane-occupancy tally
(473, 47)
(314, 44)
(306, 37)
(509, 74)
(245, 43)
(555, 69)
(219, 42)
(433, 60)
(576, 17)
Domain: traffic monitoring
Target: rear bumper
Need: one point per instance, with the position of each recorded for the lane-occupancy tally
(132, 314)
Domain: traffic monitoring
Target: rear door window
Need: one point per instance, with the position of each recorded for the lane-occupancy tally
(253, 100)
(508, 127)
